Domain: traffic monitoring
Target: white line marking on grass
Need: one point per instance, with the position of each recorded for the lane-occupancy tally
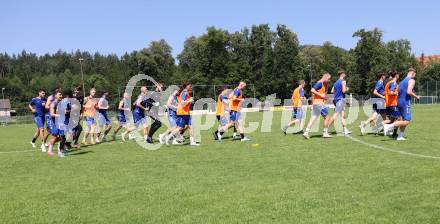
(9, 152)
(391, 150)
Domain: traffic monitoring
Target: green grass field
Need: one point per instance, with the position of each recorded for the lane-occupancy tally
(286, 179)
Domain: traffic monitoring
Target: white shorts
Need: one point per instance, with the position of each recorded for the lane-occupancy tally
(319, 109)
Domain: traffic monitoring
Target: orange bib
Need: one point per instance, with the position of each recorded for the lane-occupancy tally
(90, 107)
(219, 107)
(296, 98)
(183, 109)
(390, 100)
(235, 104)
(317, 99)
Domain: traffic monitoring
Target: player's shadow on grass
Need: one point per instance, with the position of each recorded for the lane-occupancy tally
(390, 138)
(78, 153)
(332, 133)
(84, 146)
(295, 133)
(371, 134)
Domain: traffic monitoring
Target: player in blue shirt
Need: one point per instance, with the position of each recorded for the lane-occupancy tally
(104, 124)
(54, 127)
(378, 105)
(406, 91)
(63, 119)
(339, 90)
(139, 108)
(123, 108)
(171, 106)
(47, 116)
(37, 106)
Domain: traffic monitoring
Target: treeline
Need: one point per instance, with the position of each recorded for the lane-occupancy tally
(272, 60)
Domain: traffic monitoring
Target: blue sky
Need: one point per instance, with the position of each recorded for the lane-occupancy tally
(119, 26)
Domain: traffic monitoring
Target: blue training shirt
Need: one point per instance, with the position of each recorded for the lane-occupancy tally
(184, 95)
(125, 105)
(337, 88)
(379, 87)
(403, 98)
(38, 104)
(237, 92)
(137, 110)
(393, 86)
(317, 86)
(53, 105)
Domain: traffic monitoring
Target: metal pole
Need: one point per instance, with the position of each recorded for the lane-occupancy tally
(3, 122)
(427, 87)
(82, 77)
(253, 88)
(436, 90)
(215, 93)
(215, 99)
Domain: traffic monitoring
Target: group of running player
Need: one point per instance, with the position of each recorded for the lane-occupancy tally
(53, 115)
(392, 103)
(319, 104)
(231, 101)
(392, 107)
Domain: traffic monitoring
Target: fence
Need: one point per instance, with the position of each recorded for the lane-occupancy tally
(429, 92)
(430, 88)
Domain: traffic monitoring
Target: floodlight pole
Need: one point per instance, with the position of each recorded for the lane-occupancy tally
(82, 76)
(3, 94)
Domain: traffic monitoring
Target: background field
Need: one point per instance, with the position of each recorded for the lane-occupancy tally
(285, 180)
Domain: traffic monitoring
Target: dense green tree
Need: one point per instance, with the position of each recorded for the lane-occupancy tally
(371, 57)
(286, 63)
(271, 61)
(206, 57)
(261, 42)
(399, 56)
(240, 67)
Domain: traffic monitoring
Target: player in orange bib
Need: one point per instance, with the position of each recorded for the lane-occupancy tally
(183, 120)
(221, 107)
(297, 97)
(391, 93)
(319, 91)
(235, 100)
(89, 113)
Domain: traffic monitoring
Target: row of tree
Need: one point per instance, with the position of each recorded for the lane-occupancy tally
(272, 60)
